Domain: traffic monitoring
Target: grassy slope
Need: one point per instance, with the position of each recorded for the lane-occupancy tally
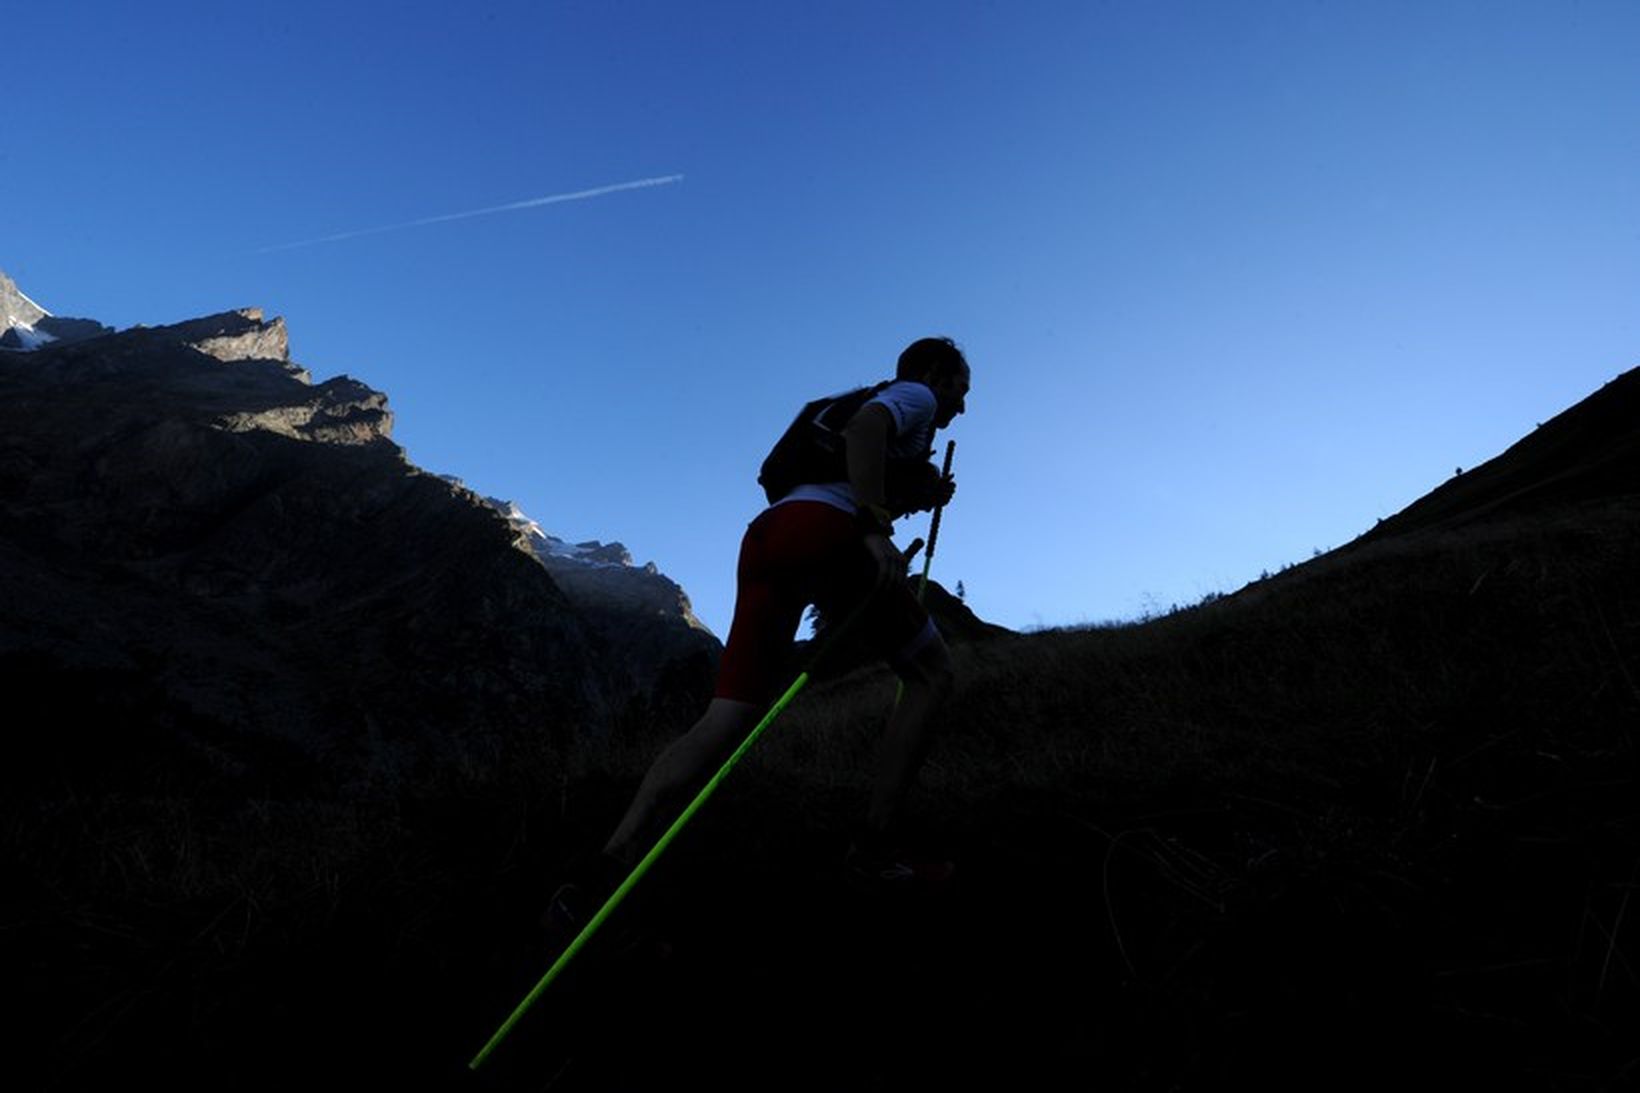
(1373, 817)
(1376, 809)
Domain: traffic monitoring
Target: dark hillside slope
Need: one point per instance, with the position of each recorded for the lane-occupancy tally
(1372, 818)
(1589, 452)
(1375, 817)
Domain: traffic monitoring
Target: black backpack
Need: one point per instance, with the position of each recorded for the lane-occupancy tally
(812, 450)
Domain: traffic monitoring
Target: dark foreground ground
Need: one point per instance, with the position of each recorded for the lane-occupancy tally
(1375, 825)
(1132, 952)
(1204, 945)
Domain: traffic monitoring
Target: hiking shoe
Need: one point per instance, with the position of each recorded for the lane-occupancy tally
(591, 881)
(588, 882)
(567, 914)
(621, 939)
(896, 867)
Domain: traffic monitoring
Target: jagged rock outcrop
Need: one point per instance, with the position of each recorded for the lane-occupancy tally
(216, 572)
(957, 622)
(239, 336)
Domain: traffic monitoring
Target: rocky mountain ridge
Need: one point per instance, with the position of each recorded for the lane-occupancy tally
(239, 569)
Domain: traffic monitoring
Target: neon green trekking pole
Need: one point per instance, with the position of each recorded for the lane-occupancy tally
(832, 642)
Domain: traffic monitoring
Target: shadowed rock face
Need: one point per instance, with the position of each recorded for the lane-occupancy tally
(641, 612)
(636, 609)
(215, 568)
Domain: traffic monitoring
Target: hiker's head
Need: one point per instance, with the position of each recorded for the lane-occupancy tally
(938, 363)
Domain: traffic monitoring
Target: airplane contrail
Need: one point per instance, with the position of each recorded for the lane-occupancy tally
(550, 199)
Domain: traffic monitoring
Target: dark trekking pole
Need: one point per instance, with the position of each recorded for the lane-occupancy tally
(928, 558)
(833, 641)
(934, 525)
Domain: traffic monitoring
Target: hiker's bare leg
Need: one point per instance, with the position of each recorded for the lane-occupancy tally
(677, 773)
(927, 680)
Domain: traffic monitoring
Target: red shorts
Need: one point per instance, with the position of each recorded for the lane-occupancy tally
(795, 554)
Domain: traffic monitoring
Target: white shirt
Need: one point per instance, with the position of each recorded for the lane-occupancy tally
(912, 406)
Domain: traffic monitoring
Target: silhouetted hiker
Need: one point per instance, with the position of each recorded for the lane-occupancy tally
(825, 539)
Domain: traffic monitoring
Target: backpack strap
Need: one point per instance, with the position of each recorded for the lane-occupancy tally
(812, 448)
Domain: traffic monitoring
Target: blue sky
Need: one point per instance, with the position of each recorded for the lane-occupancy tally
(1235, 279)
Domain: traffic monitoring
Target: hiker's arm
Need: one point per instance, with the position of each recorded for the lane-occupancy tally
(866, 437)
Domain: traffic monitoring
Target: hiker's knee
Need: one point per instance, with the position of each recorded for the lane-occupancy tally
(720, 729)
(707, 743)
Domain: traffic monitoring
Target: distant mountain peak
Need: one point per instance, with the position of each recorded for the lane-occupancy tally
(574, 564)
(26, 326)
(636, 608)
(543, 545)
(16, 309)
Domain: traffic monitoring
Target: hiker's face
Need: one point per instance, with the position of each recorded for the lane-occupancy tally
(950, 394)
